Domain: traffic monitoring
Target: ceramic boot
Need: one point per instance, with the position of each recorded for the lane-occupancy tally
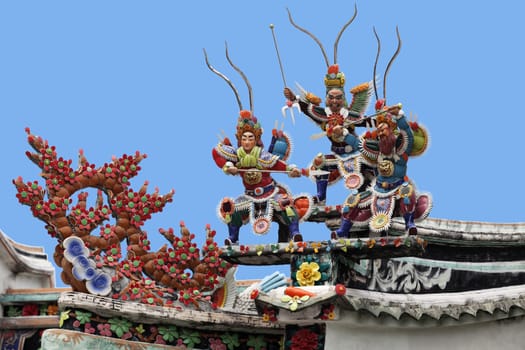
(344, 230)
(409, 223)
(321, 184)
(233, 232)
(295, 235)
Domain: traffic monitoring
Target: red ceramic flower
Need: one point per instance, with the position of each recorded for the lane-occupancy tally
(304, 339)
(30, 310)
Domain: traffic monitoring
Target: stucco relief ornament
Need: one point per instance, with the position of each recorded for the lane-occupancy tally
(380, 222)
(405, 191)
(226, 208)
(252, 177)
(295, 296)
(261, 225)
(383, 207)
(353, 181)
(406, 277)
(294, 301)
(90, 237)
(353, 199)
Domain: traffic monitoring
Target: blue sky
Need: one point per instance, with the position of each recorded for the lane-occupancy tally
(114, 77)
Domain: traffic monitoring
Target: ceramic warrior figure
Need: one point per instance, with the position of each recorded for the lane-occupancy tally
(388, 172)
(264, 199)
(337, 121)
(388, 148)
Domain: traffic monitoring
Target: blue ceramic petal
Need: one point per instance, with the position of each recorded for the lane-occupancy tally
(100, 284)
(79, 273)
(83, 261)
(90, 273)
(74, 246)
(83, 268)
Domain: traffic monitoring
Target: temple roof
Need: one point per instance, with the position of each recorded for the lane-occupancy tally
(27, 260)
(417, 310)
(439, 305)
(471, 232)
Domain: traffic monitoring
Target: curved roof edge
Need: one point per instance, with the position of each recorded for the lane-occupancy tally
(434, 308)
(456, 231)
(26, 259)
(498, 302)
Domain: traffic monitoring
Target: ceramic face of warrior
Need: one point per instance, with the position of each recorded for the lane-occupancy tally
(387, 139)
(335, 100)
(248, 141)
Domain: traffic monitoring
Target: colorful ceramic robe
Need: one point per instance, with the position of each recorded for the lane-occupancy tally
(344, 161)
(393, 193)
(264, 200)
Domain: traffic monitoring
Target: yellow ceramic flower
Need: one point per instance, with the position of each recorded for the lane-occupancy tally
(308, 274)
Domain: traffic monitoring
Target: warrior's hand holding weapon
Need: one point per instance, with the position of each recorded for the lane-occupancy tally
(337, 130)
(387, 109)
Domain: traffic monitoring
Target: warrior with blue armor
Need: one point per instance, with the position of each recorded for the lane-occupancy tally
(338, 120)
(388, 148)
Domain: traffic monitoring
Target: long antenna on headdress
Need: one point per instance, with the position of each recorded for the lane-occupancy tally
(225, 79)
(341, 32)
(242, 75)
(391, 61)
(311, 35)
(375, 64)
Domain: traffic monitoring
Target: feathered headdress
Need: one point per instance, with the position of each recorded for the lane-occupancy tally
(248, 123)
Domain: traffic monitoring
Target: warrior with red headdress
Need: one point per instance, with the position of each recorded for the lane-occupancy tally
(388, 149)
(338, 120)
(264, 199)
